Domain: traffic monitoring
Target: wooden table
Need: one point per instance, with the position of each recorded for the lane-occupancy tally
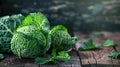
(95, 58)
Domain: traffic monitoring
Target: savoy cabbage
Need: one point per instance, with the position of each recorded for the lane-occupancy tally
(32, 38)
(7, 26)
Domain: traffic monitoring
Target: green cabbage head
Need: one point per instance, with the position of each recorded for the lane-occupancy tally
(32, 38)
(61, 39)
(29, 42)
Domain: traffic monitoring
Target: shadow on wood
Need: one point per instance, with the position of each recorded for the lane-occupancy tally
(100, 65)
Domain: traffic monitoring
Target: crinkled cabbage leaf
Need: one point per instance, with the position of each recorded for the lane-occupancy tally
(7, 25)
(61, 39)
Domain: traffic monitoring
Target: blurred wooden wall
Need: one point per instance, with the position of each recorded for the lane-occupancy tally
(77, 15)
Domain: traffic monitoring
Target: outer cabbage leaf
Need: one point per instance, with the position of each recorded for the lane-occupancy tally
(61, 40)
(48, 41)
(28, 47)
(7, 25)
(58, 27)
(32, 31)
(37, 19)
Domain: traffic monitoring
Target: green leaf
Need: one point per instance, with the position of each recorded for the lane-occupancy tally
(109, 43)
(64, 56)
(8, 25)
(88, 45)
(58, 28)
(71, 42)
(42, 60)
(54, 53)
(48, 41)
(37, 19)
(1, 56)
(115, 55)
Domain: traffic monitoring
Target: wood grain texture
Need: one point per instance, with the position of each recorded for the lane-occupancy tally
(31, 65)
(97, 57)
(100, 65)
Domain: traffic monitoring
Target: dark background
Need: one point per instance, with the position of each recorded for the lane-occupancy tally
(76, 15)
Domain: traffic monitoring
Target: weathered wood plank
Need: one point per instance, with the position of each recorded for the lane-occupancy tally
(48, 65)
(17, 65)
(116, 37)
(31, 65)
(74, 56)
(87, 57)
(84, 58)
(71, 64)
(98, 56)
(100, 65)
(102, 56)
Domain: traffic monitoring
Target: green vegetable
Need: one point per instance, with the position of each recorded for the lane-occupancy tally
(88, 45)
(42, 60)
(109, 43)
(1, 56)
(37, 19)
(61, 40)
(32, 38)
(29, 44)
(115, 55)
(7, 25)
(61, 56)
(58, 28)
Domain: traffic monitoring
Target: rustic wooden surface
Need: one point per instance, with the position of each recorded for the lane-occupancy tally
(95, 58)
(13, 61)
(99, 57)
